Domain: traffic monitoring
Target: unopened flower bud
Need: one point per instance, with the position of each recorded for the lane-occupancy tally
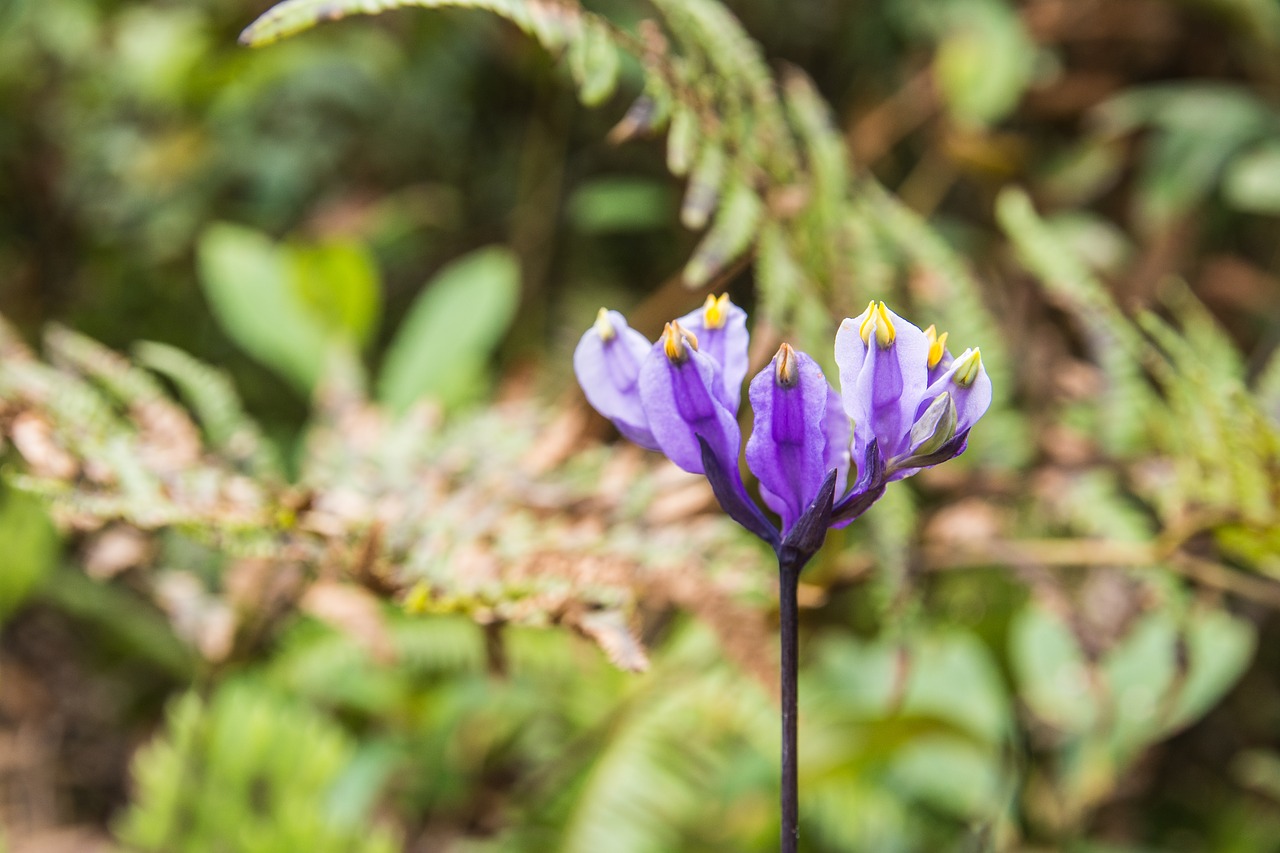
(785, 366)
(965, 368)
(715, 312)
(935, 427)
(604, 326)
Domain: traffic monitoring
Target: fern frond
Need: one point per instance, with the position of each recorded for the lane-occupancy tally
(1268, 386)
(1115, 342)
(127, 384)
(549, 22)
(215, 404)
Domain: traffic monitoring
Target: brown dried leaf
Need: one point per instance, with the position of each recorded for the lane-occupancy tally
(966, 522)
(561, 438)
(116, 549)
(32, 435)
(676, 504)
(170, 439)
(609, 630)
(203, 620)
(353, 611)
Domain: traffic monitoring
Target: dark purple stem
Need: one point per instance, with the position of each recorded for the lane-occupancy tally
(789, 637)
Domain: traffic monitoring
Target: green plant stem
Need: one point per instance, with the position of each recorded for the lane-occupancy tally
(789, 639)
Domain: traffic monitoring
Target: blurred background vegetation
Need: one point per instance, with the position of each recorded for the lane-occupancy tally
(294, 482)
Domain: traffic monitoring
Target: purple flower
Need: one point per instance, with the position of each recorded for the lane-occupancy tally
(821, 458)
(904, 391)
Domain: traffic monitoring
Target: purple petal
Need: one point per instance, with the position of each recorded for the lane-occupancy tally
(810, 530)
(866, 491)
(721, 329)
(967, 382)
(889, 386)
(839, 434)
(953, 448)
(677, 388)
(607, 363)
(726, 483)
(851, 353)
(787, 448)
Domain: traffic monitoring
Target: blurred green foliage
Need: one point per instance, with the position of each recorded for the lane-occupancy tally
(315, 619)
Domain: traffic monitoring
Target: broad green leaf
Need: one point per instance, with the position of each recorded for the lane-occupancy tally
(249, 286)
(621, 204)
(985, 62)
(29, 546)
(1179, 172)
(1050, 670)
(1252, 181)
(1138, 675)
(1225, 111)
(442, 348)
(339, 283)
(1220, 647)
(956, 776)
(951, 675)
(288, 305)
(594, 62)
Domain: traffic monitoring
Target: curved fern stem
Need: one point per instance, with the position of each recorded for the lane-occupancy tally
(789, 638)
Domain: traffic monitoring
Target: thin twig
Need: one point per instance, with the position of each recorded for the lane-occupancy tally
(1087, 553)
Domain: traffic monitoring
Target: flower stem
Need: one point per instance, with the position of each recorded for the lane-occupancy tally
(789, 637)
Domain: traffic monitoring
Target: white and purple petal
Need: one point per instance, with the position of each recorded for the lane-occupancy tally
(787, 447)
(839, 436)
(721, 329)
(890, 385)
(607, 363)
(969, 385)
(694, 428)
(681, 402)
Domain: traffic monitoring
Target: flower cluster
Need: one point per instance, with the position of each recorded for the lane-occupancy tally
(821, 457)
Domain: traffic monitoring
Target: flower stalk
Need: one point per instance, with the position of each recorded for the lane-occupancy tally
(789, 677)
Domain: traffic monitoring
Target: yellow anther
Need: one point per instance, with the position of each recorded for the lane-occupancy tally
(868, 322)
(886, 334)
(671, 343)
(604, 326)
(965, 368)
(785, 365)
(877, 321)
(715, 311)
(674, 338)
(937, 345)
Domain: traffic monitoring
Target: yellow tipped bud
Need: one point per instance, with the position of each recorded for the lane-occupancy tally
(785, 365)
(877, 321)
(937, 345)
(886, 334)
(671, 343)
(674, 338)
(868, 322)
(715, 311)
(966, 367)
(604, 326)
